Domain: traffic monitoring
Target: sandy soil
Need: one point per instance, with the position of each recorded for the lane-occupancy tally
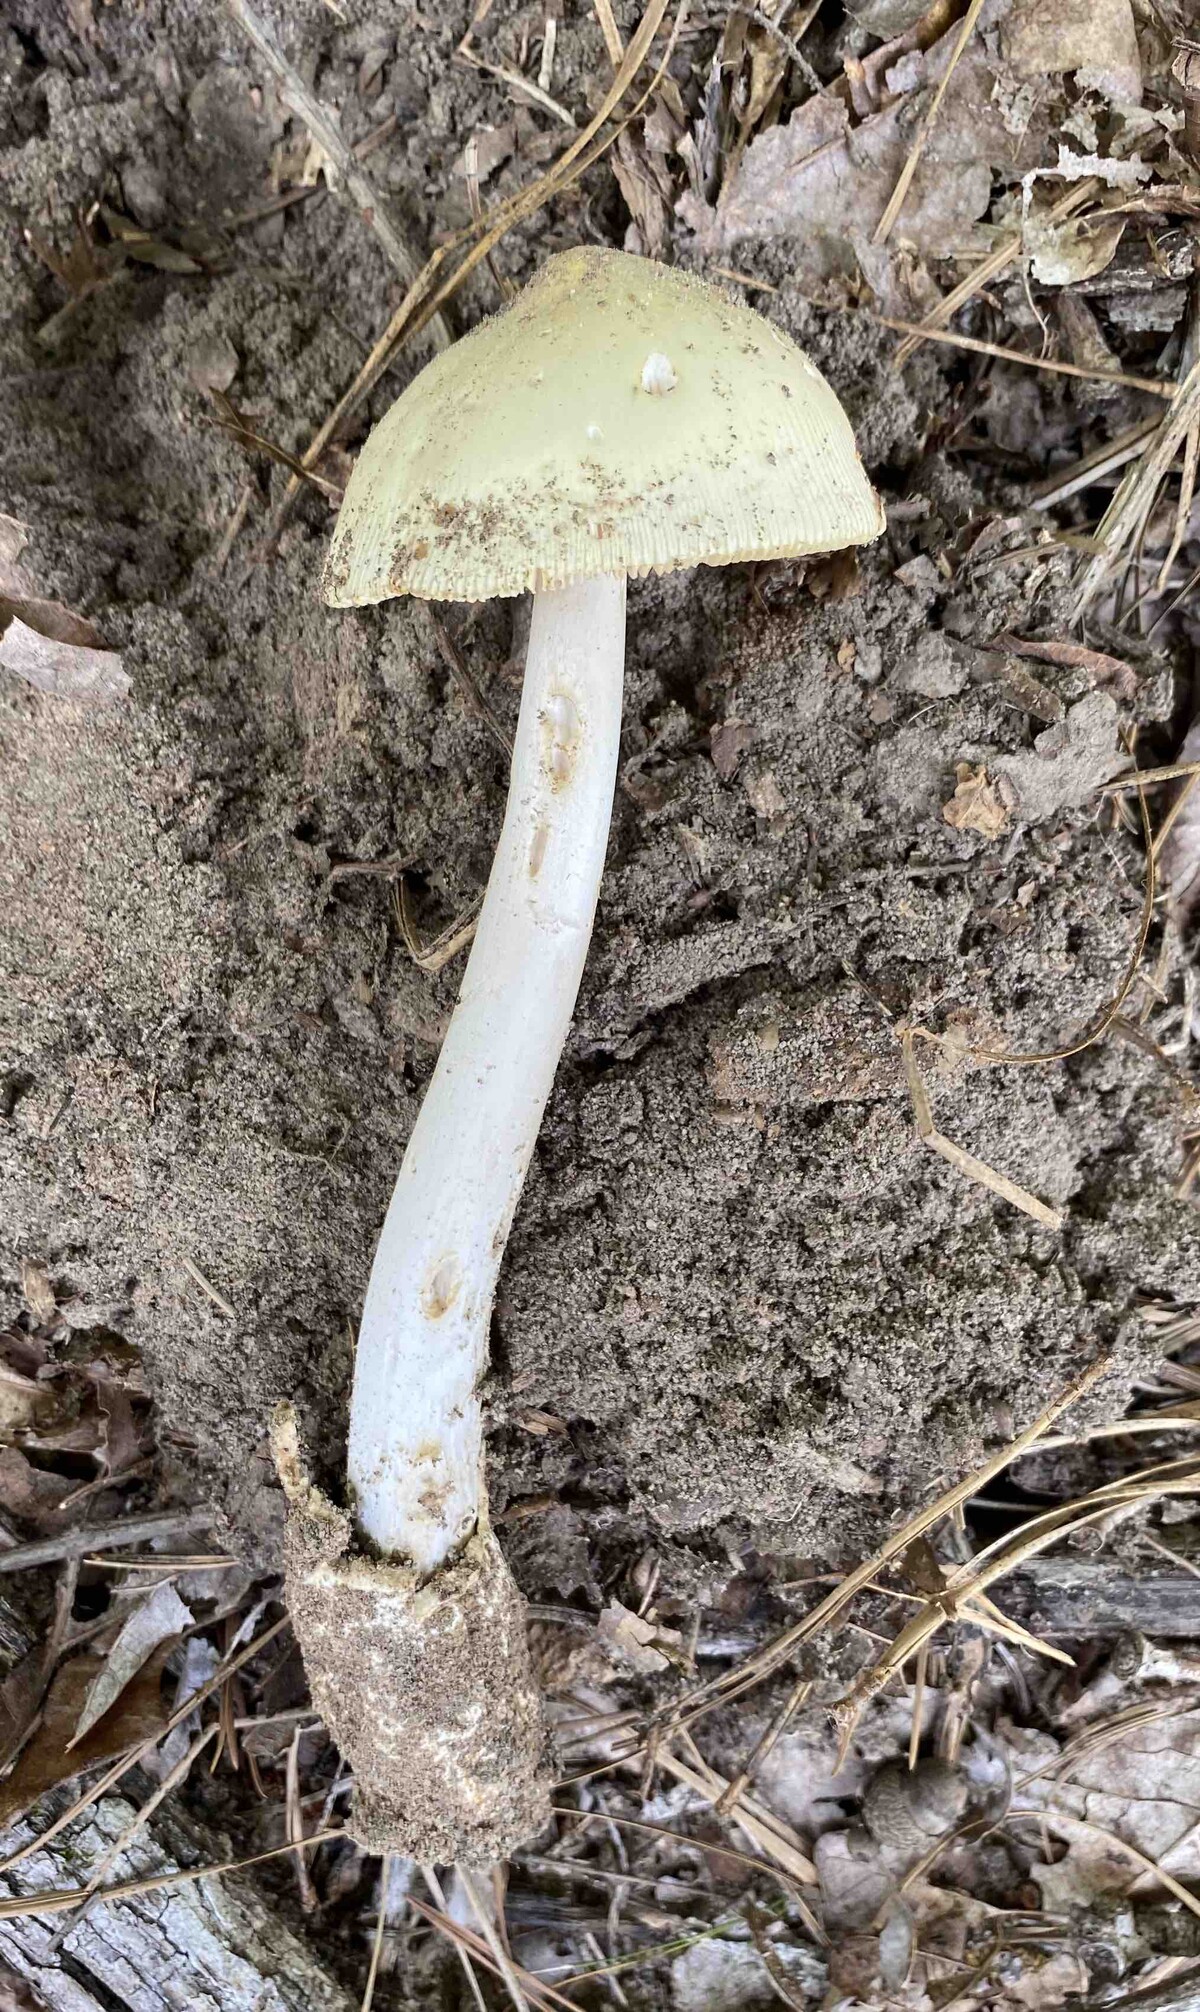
(759, 1308)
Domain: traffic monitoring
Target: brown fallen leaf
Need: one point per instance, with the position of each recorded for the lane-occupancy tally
(1113, 673)
(1180, 862)
(643, 1646)
(59, 653)
(727, 744)
(160, 1617)
(31, 1495)
(47, 1760)
(1074, 249)
(975, 805)
(85, 264)
(543, 1424)
(1095, 38)
(37, 1292)
(147, 250)
(645, 182)
(824, 181)
(115, 1378)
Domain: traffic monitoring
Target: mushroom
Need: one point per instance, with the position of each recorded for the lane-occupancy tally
(619, 418)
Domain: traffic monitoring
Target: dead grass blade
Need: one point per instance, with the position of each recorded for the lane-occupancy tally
(208, 1288)
(1055, 365)
(105, 1537)
(385, 1869)
(430, 1877)
(516, 82)
(785, 1880)
(1136, 491)
(958, 1157)
(767, 1660)
(920, 1681)
(1089, 468)
(1149, 778)
(425, 297)
(610, 31)
(1004, 1555)
(325, 130)
(1183, 506)
(770, 1735)
(295, 1818)
(464, 677)
(535, 1991)
(232, 422)
(903, 182)
(770, 1833)
(16, 1905)
(434, 955)
(500, 1956)
(1177, 808)
(990, 268)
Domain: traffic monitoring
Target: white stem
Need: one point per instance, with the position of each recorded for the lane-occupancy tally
(416, 1442)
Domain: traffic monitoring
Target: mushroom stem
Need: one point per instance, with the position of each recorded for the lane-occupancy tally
(416, 1443)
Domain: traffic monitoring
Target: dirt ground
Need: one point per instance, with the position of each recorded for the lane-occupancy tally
(747, 1317)
(753, 1306)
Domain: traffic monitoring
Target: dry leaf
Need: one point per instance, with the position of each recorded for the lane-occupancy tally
(488, 149)
(1180, 862)
(645, 182)
(30, 1494)
(1094, 38)
(824, 182)
(854, 1879)
(1112, 672)
(116, 1379)
(1075, 249)
(47, 1760)
(37, 1292)
(159, 1618)
(135, 243)
(727, 744)
(632, 1639)
(58, 652)
(975, 805)
(543, 1424)
(85, 265)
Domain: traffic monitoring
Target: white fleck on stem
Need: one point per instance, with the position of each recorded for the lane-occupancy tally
(416, 1442)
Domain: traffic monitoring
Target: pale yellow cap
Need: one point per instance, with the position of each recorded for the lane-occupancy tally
(619, 417)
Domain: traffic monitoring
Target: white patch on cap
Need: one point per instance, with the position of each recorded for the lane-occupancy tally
(657, 375)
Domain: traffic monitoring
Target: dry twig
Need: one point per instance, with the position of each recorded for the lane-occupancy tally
(105, 1537)
(1130, 381)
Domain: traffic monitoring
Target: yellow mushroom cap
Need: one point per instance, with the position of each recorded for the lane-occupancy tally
(618, 417)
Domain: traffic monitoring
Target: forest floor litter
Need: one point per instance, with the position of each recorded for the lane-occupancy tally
(846, 1356)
